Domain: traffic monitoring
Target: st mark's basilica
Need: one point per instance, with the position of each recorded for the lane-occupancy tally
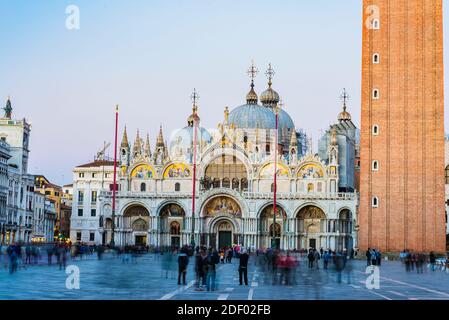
(316, 193)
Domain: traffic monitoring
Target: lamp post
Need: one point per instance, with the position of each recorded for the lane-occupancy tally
(273, 241)
(114, 185)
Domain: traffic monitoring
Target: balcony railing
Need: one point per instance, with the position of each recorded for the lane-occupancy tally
(245, 194)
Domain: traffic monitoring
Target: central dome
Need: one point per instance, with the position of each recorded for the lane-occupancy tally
(252, 116)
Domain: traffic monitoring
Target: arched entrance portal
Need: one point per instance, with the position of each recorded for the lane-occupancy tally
(270, 229)
(221, 217)
(224, 234)
(135, 223)
(171, 226)
(311, 224)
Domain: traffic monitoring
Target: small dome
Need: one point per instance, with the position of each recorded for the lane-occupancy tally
(251, 97)
(252, 116)
(269, 98)
(344, 116)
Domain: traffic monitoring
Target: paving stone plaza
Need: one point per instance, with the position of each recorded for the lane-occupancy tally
(152, 278)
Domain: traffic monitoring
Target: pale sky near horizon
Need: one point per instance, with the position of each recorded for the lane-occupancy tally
(147, 56)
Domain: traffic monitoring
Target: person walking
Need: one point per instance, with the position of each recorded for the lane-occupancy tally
(317, 258)
(183, 262)
(326, 258)
(212, 261)
(243, 267)
(368, 257)
(201, 269)
(311, 258)
(432, 260)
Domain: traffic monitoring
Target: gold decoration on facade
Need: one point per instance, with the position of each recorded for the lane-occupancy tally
(222, 205)
(143, 171)
(177, 170)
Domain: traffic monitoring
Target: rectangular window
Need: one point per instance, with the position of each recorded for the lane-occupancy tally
(81, 174)
(78, 236)
(80, 196)
(80, 212)
(93, 212)
(94, 196)
(93, 175)
(92, 236)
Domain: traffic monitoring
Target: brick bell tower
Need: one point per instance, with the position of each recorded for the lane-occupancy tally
(402, 127)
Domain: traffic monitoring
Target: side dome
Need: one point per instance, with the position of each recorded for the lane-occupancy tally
(181, 144)
(252, 116)
(285, 121)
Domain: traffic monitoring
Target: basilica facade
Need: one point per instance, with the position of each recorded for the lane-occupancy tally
(234, 187)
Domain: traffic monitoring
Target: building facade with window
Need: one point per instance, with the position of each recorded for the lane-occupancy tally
(4, 187)
(89, 180)
(235, 166)
(19, 206)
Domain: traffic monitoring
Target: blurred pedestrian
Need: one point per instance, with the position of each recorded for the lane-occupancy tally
(212, 260)
(311, 258)
(183, 262)
(243, 267)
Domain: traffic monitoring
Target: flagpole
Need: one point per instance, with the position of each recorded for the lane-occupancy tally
(274, 246)
(114, 186)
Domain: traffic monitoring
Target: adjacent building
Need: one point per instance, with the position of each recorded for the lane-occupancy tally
(402, 128)
(86, 222)
(4, 188)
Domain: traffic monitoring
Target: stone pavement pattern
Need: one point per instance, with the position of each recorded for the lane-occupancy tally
(110, 278)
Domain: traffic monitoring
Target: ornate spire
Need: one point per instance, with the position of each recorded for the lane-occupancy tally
(8, 108)
(344, 115)
(160, 138)
(226, 115)
(251, 97)
(194, 118)
(147, 146)
(334, 141)
(294, 139)
(125, 143)
(137, 149)
(270, 74)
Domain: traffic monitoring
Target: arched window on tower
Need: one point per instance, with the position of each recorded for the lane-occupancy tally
(376, 24)
(447, 175)
(143, 187)
(235, 183)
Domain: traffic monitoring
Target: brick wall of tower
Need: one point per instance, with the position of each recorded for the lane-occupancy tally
(409, 113)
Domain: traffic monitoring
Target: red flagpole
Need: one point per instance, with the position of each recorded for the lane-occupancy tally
(114, 186)
(275, 180)
(195, 125)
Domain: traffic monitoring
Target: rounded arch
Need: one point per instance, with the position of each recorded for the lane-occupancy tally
(266, 171)
(143, 170)
(172, 209)
(210, 194)
(221, 204)
(177, 170)
(215, 221)
(345, 211)
(311, 170)
(132, 203)
(136, 210)
(270, 205)
(308, 204)
(139, 225)
(311, 212)
(175, 228)
(213, 154)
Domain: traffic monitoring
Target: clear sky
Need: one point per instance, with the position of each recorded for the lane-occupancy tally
(148, 55)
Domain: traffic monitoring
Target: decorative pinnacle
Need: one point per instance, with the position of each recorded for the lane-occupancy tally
(195, 97)
(344, 97)
(252, 72)
(270, 74)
